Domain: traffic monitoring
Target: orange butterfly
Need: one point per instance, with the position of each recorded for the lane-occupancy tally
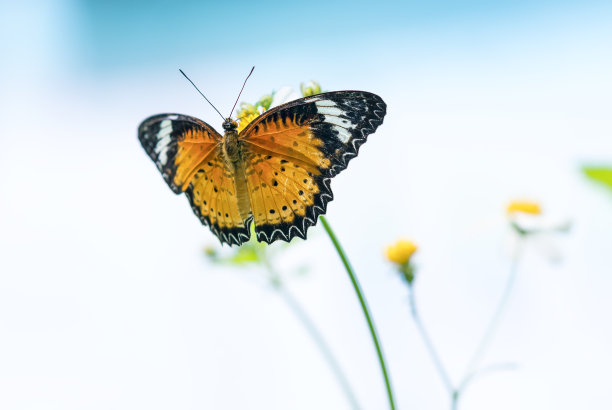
(275, 172)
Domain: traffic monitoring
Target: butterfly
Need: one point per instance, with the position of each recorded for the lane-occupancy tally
(274, 173)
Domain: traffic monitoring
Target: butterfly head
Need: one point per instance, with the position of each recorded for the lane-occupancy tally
(229, 124)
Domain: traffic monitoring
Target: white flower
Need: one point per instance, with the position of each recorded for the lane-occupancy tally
(284, 95)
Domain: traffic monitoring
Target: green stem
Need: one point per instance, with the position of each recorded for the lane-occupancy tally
(312, 330)
(364, 306)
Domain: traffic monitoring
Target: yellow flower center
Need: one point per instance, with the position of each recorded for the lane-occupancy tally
(245, 119)
(527, 207)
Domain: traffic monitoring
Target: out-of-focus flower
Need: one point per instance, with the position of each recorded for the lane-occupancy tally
(310, 88)
(284, 95)
(400, 253)
(526, 218)
(528, 207)
(247, 113)
(527, 221)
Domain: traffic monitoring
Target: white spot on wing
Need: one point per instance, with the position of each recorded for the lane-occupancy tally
(331, 113)
(343, 134)
(327, 110)
(163, 140)
(324, 103)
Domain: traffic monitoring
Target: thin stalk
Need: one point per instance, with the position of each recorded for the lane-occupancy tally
(429, 344)
(492, 326)
(312, 330)
(364, 307)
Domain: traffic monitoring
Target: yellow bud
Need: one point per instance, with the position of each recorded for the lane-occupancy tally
(401, 251)
(527, 207)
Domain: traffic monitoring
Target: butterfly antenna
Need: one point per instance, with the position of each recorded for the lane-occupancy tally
(189, 79)
(241, 90)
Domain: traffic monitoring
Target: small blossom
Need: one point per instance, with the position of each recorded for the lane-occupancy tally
(527, 207)
(401, 251)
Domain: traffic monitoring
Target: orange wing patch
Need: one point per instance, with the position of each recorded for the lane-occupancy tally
(287, 135)
(194, 148)
(285, 197)
(177, 144)
(213, 198)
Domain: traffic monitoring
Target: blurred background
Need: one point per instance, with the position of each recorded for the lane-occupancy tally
(108, 301)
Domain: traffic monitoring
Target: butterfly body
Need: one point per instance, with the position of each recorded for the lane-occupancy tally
(234, 161)
(274, 173)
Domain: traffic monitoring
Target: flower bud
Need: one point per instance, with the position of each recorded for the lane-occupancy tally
(310, 88)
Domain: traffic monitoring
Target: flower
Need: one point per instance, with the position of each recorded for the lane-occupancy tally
(528, 207)
(401, 251)
(246, 114)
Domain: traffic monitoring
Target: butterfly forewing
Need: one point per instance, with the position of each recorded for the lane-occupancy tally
(178, 144)
(293, 150)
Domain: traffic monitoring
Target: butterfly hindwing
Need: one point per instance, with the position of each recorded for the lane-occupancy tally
(213, 197)
(177, 144)
(286, 198)
(293, 150)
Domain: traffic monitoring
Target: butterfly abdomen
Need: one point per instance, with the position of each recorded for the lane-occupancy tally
(234, 160)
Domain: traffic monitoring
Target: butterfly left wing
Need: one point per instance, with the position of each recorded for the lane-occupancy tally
(292, 152)
(187, 153)
(178, 144)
